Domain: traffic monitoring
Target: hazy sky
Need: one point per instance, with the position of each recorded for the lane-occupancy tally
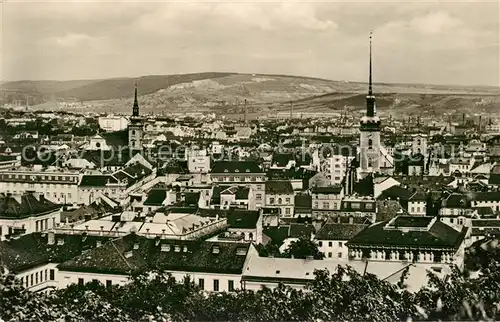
(440, 42)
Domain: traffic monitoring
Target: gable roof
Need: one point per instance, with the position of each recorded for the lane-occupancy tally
(279, 187)
(24, 206)
(242, 219)
(339, 231)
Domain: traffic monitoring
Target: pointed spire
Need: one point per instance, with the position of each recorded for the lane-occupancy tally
(370, 92)
(135, 108)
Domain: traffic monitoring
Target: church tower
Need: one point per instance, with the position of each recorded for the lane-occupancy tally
(369, 141)
(135, 128)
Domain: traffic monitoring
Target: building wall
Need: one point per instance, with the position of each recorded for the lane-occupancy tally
(113, 123)
(66, 278)
(369, 155)
(284, 202)
(31, 224)
(334, 249)
(58, 187)
(417, 208)
(40, 278)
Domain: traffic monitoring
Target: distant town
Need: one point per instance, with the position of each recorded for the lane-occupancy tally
(244, 203)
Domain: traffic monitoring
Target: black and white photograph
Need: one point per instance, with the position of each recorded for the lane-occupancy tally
(249, 160)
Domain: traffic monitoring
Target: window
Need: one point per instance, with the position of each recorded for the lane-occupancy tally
(216, 285)
(31, 280)
(329, 254)
(45, 275)
(52, 274)
(271, 200)
(339, 255)
(287, 211)
(341, 244)
(258, 196)
(370, 144)
(355, 205)
(280, 201)
(80, 281)
(36, 278)
(320, 244)
(326, 205)
(287, 200)
(329, 244)
(230, 285)
(201, 283)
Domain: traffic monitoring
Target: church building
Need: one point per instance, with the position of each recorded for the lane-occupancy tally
(136, 127)
(373, 157)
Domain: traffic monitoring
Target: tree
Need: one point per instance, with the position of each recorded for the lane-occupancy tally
(303, 248)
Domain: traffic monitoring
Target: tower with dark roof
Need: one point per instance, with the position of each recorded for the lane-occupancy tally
(136, 127)
(369, 157)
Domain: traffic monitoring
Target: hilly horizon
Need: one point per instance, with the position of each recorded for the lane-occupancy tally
(226, 93)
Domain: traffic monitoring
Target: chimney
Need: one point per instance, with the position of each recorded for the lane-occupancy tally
(351, 220)
(51, 238)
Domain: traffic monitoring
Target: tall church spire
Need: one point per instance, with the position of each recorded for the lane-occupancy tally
(370, 77)
(135, 108)
(370, 99)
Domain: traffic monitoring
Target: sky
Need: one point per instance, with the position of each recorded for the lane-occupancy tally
(435, 42)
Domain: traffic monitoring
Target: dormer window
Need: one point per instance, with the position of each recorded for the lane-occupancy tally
(185, 249)
(60, 241)
(216, 250)
(226, 170)
(136, 245)
(128, 254)
(236, 170)
(241, 251)
(247, 170)
(177, 248)
(165, 247)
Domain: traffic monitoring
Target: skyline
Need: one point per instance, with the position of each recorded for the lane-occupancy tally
(448, 43)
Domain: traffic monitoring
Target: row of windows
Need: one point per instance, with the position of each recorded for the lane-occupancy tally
(38, 177)
(330, 244)
(216, 285)
(330, 255)
(38, 277)
(236, 179)
(41, 185)
(280, 201)
(326, 205)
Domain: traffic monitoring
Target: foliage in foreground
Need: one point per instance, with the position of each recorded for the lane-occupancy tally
(342, 295)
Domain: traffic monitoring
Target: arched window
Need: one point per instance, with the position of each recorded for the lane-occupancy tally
(250, 236)
(279, 201)
(370, 144)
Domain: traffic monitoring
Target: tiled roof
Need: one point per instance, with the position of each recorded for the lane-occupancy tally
(327, 190)
(303, 201)
(32, 250)
(456, 200)
(236, 167)
(297, 230)
(27, 205)
(242, 219)
(282, 159)
(155, 197)
(134, 253)
(90, 180)
(484, 211)
(336, 231)
(440, 235)
(279, 187)
(240, 192)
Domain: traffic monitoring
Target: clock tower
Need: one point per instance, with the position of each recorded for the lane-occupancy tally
(135, 128)
(369, 140)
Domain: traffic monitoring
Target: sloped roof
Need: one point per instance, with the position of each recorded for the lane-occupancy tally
(297, 230)
(120, 256)
(24, 206)
(33, 249)
(279, 187)
(155, 197)
(338, 231)
(440, 235)
(236, 167)
(242, 219)
(100, 180)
